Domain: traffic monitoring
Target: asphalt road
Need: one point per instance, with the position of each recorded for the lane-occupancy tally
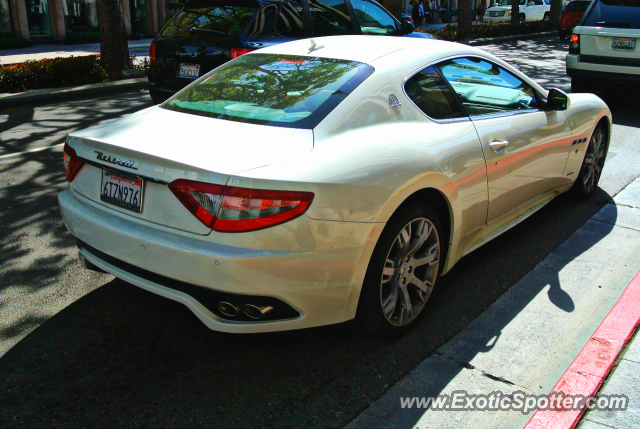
(100, 352)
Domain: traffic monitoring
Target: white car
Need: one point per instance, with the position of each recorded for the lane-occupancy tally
(308, 182)
(604, 50)
(530, 10)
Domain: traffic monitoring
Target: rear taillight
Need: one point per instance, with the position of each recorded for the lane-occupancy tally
(574, 44)
(236, 52)
(231, 209)
(152, 54)
(71, 163)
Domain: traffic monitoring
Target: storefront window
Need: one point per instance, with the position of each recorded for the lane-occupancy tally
(38, 17)
(79, 13)
(5, 17)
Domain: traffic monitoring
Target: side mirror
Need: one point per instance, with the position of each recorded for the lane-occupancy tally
(557, 100)
(406, 27)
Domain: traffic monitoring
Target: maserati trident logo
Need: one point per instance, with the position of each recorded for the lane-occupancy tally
(116, 160)
(393, 101)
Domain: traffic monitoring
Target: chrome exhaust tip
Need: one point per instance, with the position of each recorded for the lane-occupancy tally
(256, 312)
(227, 309)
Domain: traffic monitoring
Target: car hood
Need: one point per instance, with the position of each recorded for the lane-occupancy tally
(160, 137)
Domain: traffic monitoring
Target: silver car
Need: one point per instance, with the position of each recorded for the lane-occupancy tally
(315, 181)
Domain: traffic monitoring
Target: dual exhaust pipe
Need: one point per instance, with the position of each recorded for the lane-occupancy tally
(252, 311)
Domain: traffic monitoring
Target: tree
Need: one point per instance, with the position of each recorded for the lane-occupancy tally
(464, 19)
(515, 12)
(555, 12)
(114, 47)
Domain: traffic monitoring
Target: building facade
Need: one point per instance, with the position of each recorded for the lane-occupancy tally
(49, 21)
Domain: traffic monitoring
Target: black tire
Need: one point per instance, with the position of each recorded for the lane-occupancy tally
(546, 17)
(157, 98)
(375, 286)
(593, 163)
(562, 35)
(578, 85)
(523, 19)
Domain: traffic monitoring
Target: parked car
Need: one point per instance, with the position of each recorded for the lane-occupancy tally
(309, 182)
(571, 16)
(530, 10)
(604, 51)
(208, 33)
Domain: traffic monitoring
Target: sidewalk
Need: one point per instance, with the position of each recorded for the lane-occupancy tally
(38, 52)
(527, 339)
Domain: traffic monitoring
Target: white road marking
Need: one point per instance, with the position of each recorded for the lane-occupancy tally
(30, 150)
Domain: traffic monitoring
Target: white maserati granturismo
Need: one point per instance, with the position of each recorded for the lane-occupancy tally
(315, 181)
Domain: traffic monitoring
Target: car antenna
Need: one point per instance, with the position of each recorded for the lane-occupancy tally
(314, 46)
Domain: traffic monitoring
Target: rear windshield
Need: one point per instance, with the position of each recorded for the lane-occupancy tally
(614, 14)
(279, 90)
(577, 6)
(212, 18)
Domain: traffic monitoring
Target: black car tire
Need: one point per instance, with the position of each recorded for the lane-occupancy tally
(562, 35)
(370, 310)
(157, 98)
(523, 19)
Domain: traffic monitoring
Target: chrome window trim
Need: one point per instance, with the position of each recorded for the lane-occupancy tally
(469, 118)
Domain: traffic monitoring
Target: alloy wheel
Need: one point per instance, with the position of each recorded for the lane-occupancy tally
(410, 272)
(593, 161)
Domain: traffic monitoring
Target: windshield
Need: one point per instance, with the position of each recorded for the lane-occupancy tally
(202, 19)
(614, 14)
(278, 90)
(508, 2)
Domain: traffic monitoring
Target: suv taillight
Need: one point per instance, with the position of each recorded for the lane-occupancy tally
(71, 163)
(152, 54)
(231, 209)
(574, 44)
(236, 52)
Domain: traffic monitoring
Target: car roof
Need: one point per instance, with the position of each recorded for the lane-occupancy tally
(366, 49)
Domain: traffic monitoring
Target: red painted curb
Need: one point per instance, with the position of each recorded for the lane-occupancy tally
(592, 365)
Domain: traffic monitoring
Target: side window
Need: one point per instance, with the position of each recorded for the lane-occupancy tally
(372, 19)
(330, 17)
(290, 22)
(486, 88)
(432, 95)
(538, 2)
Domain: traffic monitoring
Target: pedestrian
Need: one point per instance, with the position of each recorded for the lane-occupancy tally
(410, 9)
(427, 12)
(415, 14)
(421, 9)
(482, 8)
(434, 11)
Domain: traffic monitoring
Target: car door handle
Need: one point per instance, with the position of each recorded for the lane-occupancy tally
(498, 145)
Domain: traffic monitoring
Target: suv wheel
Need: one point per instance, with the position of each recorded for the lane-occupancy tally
(523, 18)
(546, 17)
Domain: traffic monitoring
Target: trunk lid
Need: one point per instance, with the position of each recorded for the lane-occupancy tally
(161, 146)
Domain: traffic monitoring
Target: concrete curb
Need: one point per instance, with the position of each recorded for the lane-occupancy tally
(490, 40)
(43, 96)
(594, 363)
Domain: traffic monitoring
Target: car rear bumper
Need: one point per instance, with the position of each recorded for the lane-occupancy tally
(603, 74)
(318, 276)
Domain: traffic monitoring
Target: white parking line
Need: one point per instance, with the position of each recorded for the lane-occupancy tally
(30, 150)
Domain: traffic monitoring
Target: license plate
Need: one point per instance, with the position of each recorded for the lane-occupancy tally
(122, 190)
(624, 43)
(189, 71)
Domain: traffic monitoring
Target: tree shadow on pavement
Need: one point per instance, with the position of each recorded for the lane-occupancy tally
(37, 255)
